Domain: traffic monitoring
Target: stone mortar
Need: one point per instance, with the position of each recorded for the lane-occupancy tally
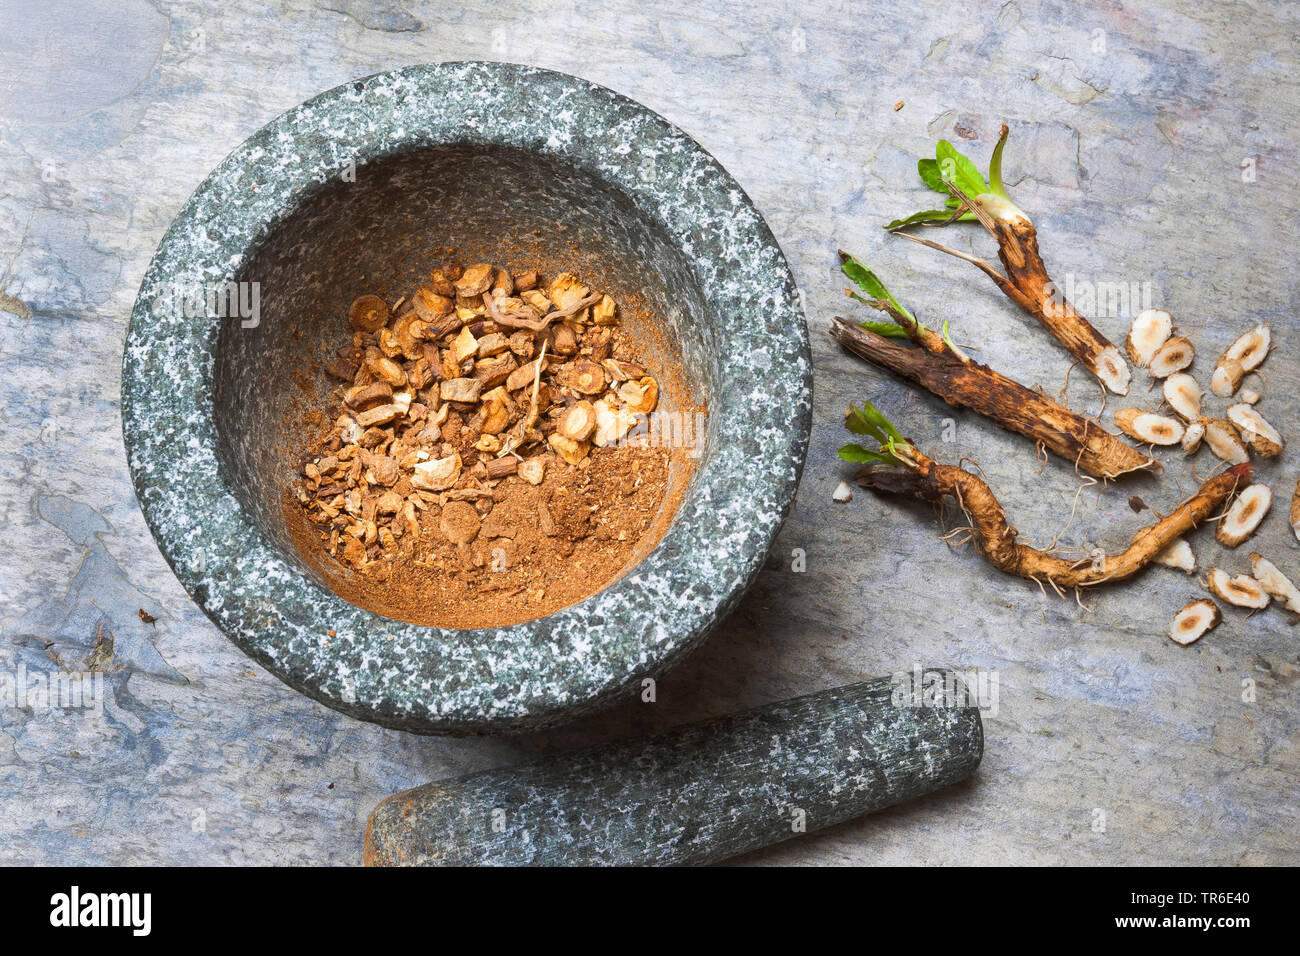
(205, 449)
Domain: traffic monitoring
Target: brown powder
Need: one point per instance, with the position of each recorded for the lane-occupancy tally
(488, 548)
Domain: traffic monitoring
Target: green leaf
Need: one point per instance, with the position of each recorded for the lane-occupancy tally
(856, 422)
(995, 167)
(926, 215)
(889, 330)
(930, 175)
(868, 420)
(869, 282)
(861, 456)
(958, 170)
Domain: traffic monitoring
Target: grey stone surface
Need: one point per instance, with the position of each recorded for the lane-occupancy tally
(1129, 126)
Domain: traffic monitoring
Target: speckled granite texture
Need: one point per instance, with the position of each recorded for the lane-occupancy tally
(693, 795)
(1130, 124)
(190, 432)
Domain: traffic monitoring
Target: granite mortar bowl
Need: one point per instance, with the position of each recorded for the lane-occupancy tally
(363, 184)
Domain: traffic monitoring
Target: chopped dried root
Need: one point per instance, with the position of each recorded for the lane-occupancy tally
(1255, 430)
(1149, 427)
(1174, 356)
(1192, 436)
(1178, 555)
(1277, 584)
(1244, 516)
(1151, 329)
(1241, 591)
(1194, 621)
(1183, 395)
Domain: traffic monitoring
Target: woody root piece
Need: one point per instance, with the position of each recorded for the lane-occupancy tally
(898, 467)
(932, 360)
(1025, 282)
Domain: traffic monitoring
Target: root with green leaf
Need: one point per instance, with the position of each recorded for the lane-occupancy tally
(935, 362)
(1026, 281)
(897, 467)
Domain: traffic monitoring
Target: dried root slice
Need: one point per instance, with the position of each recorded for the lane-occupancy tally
(1295, 511)
(1149, 427)
(1250, 396)
(1192, 438)
(1227, 376)
(1242, 591)
(1194, 621)
(1151, 329)
(1244, 516)
(1255, 430)
(1183, 395)
(1250, 349)
(368, 313)
(1174, 356)
(843, 493)
(1242, 356)
(578, 421)
(1277, 584)
(1178, 555)
(1223, 441)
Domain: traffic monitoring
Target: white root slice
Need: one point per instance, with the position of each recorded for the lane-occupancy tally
(1242, 356)
(1250, 349)
(1295, 511)
(1223, 441)
(1183, 395)
(1178, 555)
(1192, 438)
(1250, 396)
(1111, 370)
(842, 493)
(1149, 427)
(1174, 356)
(1227, 376)
(1244, 516)
(1150, 330)
(1275, 582)
(1255, 430)
(1194, 621)
(1241, 591)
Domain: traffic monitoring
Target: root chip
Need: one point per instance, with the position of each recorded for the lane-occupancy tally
(1151, 328)
(1194, 621)
(1149, 427)
(1241, 591)
(1244, 515)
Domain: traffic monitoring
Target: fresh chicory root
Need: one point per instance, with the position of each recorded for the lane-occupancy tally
(934, 362)
(898, 467)
(1026, 281)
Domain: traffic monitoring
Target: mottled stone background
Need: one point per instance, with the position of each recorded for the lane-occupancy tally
(1131, 128)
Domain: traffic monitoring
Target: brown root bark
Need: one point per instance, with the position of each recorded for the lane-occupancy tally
(964, 383)
(923, 478)
(1027, 283)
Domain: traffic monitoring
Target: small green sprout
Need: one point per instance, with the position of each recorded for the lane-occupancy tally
(950, 167)
(868, 420)
(877, 296)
